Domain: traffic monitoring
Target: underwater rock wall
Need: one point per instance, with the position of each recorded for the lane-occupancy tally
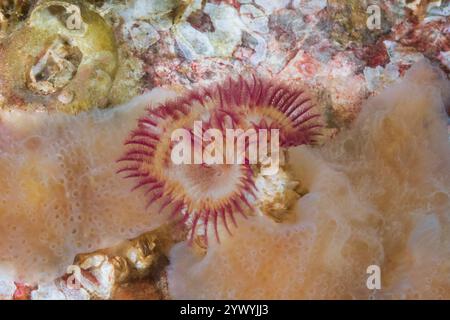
(60, 195)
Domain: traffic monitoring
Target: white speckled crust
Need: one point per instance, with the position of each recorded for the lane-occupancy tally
(47, 291)
(61, 194)
(7, 289)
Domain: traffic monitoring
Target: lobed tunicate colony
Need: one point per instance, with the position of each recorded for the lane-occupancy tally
(60, 193)
(378, 194)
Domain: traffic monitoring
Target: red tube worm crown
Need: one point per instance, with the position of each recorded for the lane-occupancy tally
(209, 193)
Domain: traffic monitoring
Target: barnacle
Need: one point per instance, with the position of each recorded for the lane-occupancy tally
(196, 191)
(12, 14)
(64, 58)
(348, 22)
(277, 195)
(133, 259)
(180, 10)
